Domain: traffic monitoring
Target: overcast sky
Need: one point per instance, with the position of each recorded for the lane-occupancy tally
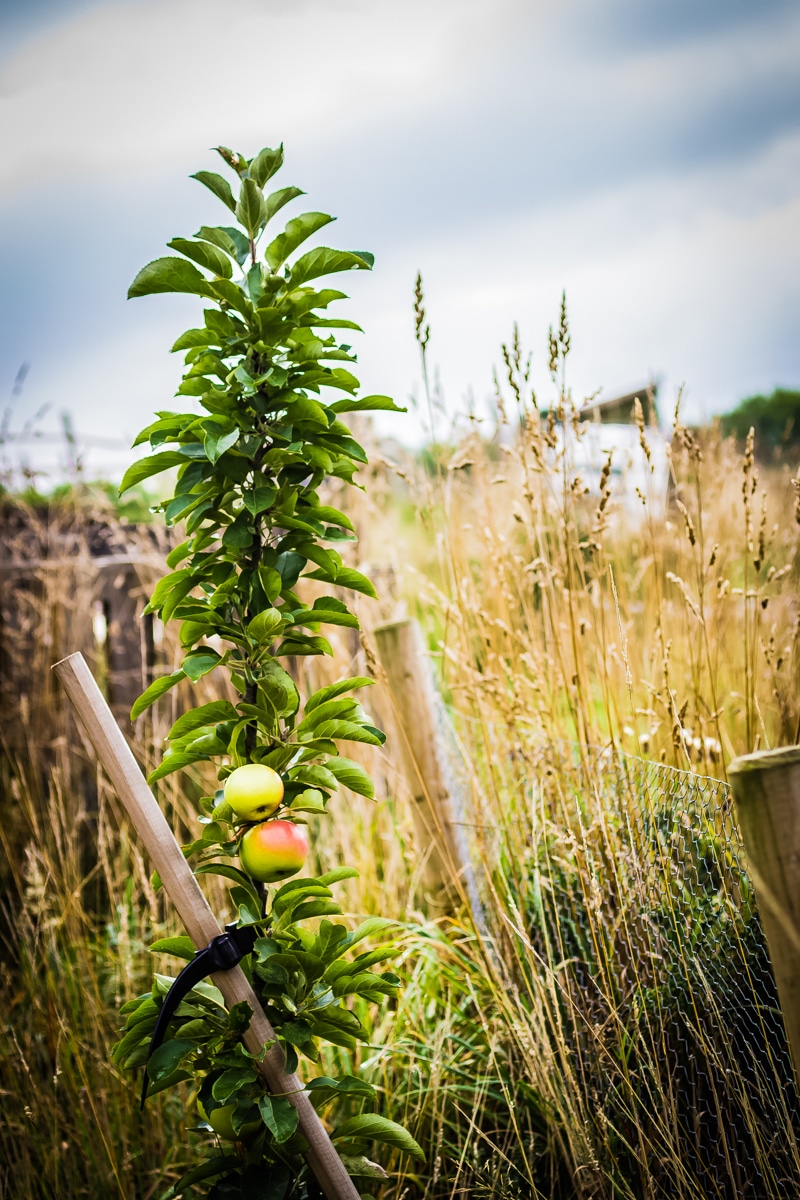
(642, 154)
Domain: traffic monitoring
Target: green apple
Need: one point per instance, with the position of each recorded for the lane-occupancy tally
(273, 850)
(254, 791)
(221, 1121)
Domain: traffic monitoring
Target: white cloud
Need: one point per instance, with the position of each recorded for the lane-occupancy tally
(493, 145)
(134, 85)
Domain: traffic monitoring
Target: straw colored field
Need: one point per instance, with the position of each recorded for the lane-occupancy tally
(553, 616)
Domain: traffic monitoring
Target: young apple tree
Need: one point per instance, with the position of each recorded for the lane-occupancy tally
(258, 431)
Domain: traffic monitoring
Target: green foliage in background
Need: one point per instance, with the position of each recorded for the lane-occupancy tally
(775, 418)
(267, 381)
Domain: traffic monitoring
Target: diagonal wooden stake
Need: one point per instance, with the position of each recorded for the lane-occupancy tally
(184, 891)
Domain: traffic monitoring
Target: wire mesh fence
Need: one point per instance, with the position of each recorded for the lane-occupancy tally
(631, 931)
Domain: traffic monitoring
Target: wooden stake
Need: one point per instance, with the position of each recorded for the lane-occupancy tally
(184, 891)
(766, 787)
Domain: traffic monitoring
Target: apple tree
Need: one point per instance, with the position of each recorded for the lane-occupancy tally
(256, 434)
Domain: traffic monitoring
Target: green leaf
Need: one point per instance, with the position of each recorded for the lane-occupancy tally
(183, 947)
(347, 577)
(177, 593)
(156, 689)
(279, 1116)
(218, 439)
(178, 554)
(167, 425)
(219, 186)
(289, 565)
(229, 239)
(288, 897)
(358, 1166)
(132, 1005)
(279, 690)
(266, 164)
(276, 200)
(348, 1085)
(313, 775)
(315, 322)
(311, 801)
(221, 238)
(324, 512)
(305, 643)
(164, 586)
(347, 731)
(366, 984)
(353, 776)
(324, 261)
(370, 926)
(199, 663)
(165, 1058)
(295, 233)
(337, 875)
(345, 445)
(175, 761)
(207, 256)
(236, 161)
(239, 535)
(231, 293)
(306, 409)
(191, 339)
(271, 581)
(336, 689)
(333, 1033)
(372, 1128)
(367, 404)
(151, 465)
(204, 1170)
(169, 275)
(265, 625)
(205, 714)
(339, 709)
(231, 1081)
(227, 871)
(316, 908)
(251, 211)
(258, 500)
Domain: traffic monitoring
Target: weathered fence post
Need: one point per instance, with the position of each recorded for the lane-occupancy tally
(437, 807)
(184, 891)
(766, 787)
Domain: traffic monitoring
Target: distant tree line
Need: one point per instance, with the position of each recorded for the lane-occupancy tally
(775, 418)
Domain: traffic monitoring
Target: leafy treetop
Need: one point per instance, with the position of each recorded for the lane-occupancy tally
(268, 381)
(267, 371)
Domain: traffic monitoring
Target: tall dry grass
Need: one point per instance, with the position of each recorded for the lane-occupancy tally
(620, 1028)
(555, 1058)
(668, 625)
(77, 905)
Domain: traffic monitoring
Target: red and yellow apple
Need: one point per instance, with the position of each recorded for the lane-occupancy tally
(273, 850)
(254, 791)
(221, 1121)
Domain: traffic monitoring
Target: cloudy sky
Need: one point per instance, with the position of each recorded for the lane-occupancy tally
(642, 154)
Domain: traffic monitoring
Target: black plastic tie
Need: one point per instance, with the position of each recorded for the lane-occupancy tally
(221, 954)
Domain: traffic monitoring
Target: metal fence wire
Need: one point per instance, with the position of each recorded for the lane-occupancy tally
(631, 881)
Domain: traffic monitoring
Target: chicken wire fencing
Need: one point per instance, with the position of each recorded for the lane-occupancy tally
(640, 959)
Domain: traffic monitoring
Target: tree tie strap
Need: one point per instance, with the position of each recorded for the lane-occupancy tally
(221, 954)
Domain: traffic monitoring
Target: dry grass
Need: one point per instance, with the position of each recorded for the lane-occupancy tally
(670, 629)
(527, 1066)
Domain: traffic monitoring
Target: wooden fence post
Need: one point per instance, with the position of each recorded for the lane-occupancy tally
(766, 788)
(437, 808)
(120, 589)
(184, 891)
